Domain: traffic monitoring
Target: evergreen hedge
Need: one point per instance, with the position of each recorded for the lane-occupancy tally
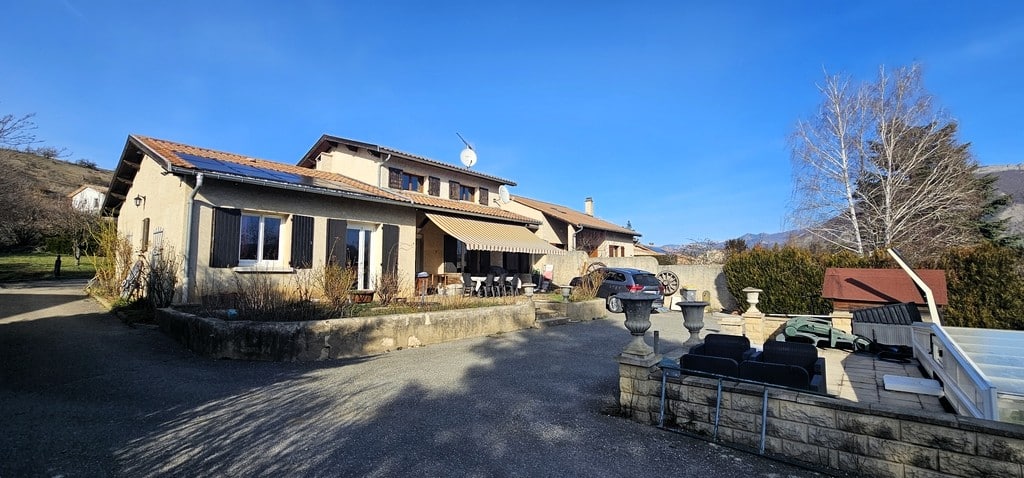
(986, 287)
(985, 283)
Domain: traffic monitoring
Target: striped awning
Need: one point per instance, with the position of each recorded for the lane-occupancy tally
(492, 236)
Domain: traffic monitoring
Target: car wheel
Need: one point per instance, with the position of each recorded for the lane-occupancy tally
(614, 304)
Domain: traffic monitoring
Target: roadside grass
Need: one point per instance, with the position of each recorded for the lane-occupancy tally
(35, 266)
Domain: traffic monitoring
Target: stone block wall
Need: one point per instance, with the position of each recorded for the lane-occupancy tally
(825, 432)
(338, 338)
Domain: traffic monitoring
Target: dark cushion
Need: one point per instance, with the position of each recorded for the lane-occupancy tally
(775, 374)
(736, 347)
(708, 364)
(790, 353)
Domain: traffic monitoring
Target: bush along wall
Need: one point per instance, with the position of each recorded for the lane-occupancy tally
(985, 283)
(986, 287)
(791, 277)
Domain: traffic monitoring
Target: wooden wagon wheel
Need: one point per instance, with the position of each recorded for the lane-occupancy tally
(595, 266)
(670, 281)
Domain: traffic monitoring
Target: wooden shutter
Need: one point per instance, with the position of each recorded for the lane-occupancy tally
(451, 252)
(434, 186)
(302, 242)
(337, 229)
(394, 178)
(227, 224)
(391, 245)
(483, 196)
(145, 234)
(453, 190)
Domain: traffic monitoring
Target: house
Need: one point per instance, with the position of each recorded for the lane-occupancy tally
(571, 230)
(851, 289)
(88, 198)
(352, 203)
(648, 250)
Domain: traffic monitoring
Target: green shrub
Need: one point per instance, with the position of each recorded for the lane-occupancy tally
(790, 277)
(985, 286)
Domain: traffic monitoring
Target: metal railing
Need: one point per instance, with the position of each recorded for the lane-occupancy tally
(966, 388)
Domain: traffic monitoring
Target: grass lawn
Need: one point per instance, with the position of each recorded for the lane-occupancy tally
(19, 267)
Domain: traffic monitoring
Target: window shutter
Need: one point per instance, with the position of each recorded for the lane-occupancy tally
(434, 187)
(394, 178)
(337, 229)
(302, 242)
(453, 190)
(451, 252)
(145, 234)
(390, 254)
(483, 196)
(227, 225)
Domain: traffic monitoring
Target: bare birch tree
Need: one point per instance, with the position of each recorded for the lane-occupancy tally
(828, 160)
(880, 166)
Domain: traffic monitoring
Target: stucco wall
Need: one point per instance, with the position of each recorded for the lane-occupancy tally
(339, 338)
(285, 203)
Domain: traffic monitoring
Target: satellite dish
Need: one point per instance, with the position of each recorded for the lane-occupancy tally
(503, 194)
(468, 157)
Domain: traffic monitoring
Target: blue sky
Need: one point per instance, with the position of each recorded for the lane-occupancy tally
(673, 116)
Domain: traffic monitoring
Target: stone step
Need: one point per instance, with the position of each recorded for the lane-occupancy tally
(552, 321)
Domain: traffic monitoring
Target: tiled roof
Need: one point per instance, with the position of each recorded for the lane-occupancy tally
(886, 286)
(572, 216)
(171, 152)
(176, 154)
(322, 145)
(467, 207)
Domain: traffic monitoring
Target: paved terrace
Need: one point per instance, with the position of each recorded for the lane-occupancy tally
(850, 376)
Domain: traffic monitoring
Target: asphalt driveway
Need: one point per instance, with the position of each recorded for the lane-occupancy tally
(82, 394)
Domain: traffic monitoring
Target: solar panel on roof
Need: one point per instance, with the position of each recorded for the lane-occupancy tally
(250, 171)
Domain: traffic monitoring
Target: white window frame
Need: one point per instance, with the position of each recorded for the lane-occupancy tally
(364, 281)
(260, 241)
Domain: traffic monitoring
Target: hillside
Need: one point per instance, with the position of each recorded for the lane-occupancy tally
(52, 176)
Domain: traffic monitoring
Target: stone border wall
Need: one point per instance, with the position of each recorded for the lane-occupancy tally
(826, 432)
(338, 338)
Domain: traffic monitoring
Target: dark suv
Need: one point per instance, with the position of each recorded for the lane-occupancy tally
(621, 279)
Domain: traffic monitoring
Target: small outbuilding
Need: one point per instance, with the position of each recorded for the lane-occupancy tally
(853, 289)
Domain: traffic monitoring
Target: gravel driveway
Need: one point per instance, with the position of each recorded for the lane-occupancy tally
(84, 395)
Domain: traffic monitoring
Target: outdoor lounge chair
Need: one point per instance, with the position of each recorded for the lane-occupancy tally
(804, 356)
(777, 374)
(735, 347)
(709, 364)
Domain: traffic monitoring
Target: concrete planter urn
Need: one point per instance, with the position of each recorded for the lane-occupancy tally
(637, 308)
(753, 297)
(693, 320)
(528, 289)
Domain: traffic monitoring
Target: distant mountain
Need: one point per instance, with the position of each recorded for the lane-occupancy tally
(1010, 181)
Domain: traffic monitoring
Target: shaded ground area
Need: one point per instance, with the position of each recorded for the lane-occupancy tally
(84, 395)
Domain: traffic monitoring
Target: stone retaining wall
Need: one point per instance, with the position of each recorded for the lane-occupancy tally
(338, 338)
(826, 432)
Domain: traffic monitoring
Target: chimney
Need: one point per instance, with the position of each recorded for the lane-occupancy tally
(588, 206)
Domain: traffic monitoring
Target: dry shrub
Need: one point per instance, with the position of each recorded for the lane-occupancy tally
(588, 284)
(388, 285)
(113, 259)
(335, 283)
(163, 277)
